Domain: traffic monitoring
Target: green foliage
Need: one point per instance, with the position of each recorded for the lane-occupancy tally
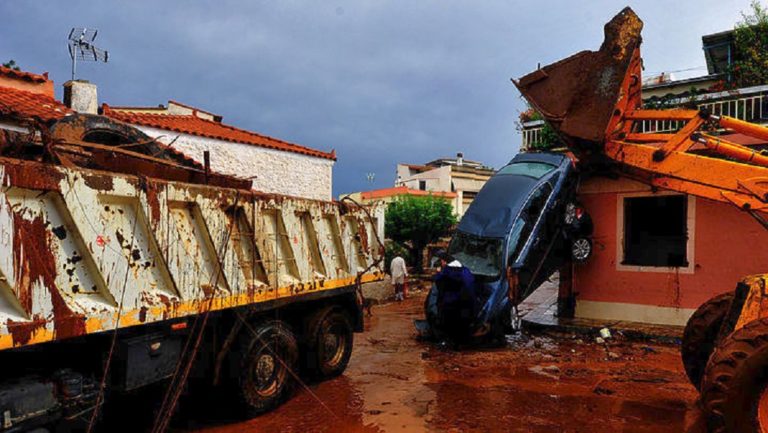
(419, 221)
(548, 138)
(393, 249)
(750, 58)
(689, 99)
(11, 64)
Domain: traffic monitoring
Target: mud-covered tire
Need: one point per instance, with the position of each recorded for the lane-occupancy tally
(735, 380)
(700, 334)
(266, 367)
(329, 338)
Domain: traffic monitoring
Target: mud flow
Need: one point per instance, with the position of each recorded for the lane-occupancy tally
(537, 383)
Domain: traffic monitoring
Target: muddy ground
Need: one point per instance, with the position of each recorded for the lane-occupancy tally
(542, 383)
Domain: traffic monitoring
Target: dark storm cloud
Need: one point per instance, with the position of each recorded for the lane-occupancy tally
(380, 81)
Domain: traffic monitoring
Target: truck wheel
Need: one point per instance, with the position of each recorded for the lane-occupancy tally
(700, 335)
(733, 388)
(267, 366)
(329, 337)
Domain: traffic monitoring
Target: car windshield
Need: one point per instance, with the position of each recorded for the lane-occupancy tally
(536, 170)
(481, 255)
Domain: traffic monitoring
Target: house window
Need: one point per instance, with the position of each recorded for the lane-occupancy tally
(656, 231)
(423, 185)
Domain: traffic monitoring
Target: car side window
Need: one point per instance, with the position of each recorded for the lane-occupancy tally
(524, 225)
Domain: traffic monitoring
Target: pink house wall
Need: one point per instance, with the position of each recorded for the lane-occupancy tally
(726, 244)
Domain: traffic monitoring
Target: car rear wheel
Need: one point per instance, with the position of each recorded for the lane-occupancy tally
(581, 249)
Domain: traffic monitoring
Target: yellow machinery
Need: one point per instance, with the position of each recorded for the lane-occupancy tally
(593, 100)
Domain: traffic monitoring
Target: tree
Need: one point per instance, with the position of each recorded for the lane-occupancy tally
(750, 58)
(11, 64)
(418, 221)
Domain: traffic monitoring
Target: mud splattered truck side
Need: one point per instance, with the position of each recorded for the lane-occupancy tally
(119, 269)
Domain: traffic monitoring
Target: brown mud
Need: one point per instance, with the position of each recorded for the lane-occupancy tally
(542, 383)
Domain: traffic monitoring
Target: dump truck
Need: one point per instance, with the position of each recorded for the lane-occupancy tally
(125, 264)
(592, 99)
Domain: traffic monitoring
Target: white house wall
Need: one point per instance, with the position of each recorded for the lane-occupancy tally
(438, 179)
(273, 171)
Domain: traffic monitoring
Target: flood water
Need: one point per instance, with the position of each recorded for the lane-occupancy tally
(543, 383)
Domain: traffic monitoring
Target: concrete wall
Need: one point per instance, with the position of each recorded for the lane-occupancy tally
(724, 245)
(437, 179)
(276, 171)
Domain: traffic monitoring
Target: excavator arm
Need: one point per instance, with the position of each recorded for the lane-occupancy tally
(593, 101)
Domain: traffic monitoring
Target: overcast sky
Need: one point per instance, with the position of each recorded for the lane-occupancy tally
(381, 82)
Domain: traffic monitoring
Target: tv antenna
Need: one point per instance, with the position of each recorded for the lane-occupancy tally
(370, 176)
(81, 47)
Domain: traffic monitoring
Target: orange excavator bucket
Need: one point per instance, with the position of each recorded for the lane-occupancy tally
(584, 96)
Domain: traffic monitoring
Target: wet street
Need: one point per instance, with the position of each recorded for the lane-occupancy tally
(543, 383)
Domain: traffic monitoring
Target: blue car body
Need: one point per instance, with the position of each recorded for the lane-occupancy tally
(514, 227)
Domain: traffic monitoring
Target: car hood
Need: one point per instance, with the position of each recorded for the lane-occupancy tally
(496, 206)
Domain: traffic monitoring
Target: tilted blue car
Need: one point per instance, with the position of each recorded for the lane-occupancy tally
(522, 226)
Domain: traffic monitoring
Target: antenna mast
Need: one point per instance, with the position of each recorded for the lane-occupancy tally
(80, 44)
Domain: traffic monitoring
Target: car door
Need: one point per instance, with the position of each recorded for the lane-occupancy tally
(535, 231)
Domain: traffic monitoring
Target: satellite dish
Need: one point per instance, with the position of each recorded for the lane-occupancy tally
(80, 44)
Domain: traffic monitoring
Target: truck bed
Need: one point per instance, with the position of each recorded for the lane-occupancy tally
(87, 251)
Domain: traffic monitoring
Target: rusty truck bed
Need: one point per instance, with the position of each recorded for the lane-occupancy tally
(87, 251)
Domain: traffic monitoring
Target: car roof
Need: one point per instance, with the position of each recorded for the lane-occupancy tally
(498, 203)
(546, 157)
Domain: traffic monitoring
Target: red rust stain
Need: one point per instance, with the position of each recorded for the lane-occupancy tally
(143, 314)
(99, 182)
(32, 175)
(22, 332)
(154, 203)
(208, 290)
(35, 262)
(363, 234)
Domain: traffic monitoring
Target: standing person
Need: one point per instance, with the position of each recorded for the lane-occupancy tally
(398, 271)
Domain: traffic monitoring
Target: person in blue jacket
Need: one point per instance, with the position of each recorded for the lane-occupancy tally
(457, 301)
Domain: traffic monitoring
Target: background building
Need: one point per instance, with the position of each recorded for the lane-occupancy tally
(659, 255)
(388, 195)
(457, 175)
(273, 165)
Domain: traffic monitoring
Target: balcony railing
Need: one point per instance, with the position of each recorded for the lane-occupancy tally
(748, 104)
(531, 133)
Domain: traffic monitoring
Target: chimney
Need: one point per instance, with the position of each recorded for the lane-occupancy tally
(460, 158)
(81, 96)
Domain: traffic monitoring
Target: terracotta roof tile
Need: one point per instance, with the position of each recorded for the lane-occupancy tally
(402, 190)
(194, 125)
(23, 104)
(29, 76)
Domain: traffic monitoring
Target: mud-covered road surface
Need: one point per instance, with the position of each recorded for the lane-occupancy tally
(542, 383)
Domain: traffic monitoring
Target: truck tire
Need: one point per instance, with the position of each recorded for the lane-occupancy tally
(329, 338)
(266, 369)
(700, 334)
(733, 388)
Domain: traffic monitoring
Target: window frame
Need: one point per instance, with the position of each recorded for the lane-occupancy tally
(620, 232)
